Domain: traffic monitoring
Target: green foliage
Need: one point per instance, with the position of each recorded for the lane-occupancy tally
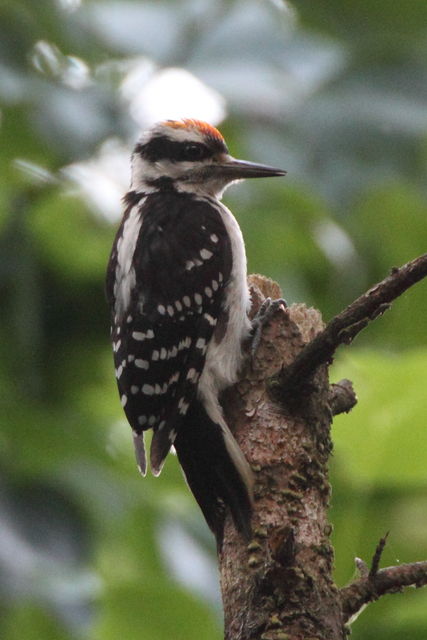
(381, 439)
(379, 478)
(334, 93)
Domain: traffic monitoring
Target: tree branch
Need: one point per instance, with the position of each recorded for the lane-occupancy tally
(347, 324)
(389, 580)
(375, 582)
(281, 586)
(341, 397)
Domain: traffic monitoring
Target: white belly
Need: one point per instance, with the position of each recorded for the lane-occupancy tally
(224, 359)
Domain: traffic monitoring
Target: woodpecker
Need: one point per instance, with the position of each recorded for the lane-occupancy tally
(179, 299)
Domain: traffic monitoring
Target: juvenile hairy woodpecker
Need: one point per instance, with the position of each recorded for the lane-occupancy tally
(176, 285)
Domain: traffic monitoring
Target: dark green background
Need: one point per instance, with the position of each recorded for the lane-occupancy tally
(334, 92)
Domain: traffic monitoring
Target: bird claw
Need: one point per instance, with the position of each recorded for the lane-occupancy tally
(266, 312)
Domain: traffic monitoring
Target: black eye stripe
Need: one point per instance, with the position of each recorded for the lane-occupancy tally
(162, 147)
(195, 151)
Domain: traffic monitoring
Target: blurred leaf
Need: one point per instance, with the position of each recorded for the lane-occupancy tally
(72, 240)
(381, 442)
(360, 22)
(391, 229)
(396, 216)
(131, 27)
(134, 610)
(29, 621)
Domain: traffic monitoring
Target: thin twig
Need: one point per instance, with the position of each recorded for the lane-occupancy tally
(377, 556)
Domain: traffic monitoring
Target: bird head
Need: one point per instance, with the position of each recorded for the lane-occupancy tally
(189, 156)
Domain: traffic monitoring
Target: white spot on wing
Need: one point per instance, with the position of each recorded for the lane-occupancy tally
(206, 254)
(142, 364)
(184, 344)
(210, 319)
(192, 375)
(201, 343)
(183, 406)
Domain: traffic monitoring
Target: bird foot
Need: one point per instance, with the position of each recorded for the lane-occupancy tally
(265, 314)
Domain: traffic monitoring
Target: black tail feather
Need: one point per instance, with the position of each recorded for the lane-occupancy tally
(211, 474)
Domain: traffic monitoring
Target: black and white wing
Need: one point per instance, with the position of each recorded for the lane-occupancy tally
(167, 272)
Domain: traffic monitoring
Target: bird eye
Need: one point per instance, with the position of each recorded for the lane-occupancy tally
(194, 151)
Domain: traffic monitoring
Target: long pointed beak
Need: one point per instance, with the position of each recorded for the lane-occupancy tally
(222, 173)
(241, 169)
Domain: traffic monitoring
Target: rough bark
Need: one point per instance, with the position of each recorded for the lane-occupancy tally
(280, 586)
